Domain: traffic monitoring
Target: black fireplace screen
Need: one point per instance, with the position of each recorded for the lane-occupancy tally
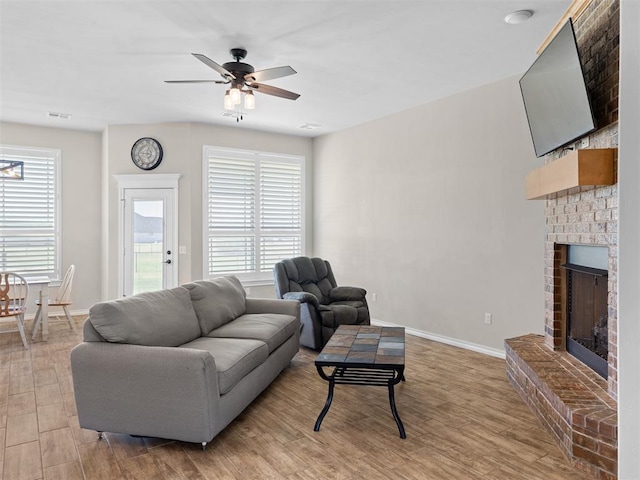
(587, 316)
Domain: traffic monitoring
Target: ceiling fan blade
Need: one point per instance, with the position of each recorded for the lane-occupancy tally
(210, 63)
(269, 90)
(195, 81)
(269, 74)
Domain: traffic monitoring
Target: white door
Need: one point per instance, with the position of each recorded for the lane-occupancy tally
(148, 245)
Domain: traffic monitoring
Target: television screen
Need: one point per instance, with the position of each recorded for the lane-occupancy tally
(555, 95)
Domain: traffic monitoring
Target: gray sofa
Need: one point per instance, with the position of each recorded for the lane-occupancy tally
(180, 363)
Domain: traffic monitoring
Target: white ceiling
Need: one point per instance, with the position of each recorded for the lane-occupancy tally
(104, 61)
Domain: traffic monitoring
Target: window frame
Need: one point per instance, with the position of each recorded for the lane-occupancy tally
(256, 277)
(24, 154)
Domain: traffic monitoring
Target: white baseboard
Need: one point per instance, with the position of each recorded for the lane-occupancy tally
(493, 352)
(60, 313)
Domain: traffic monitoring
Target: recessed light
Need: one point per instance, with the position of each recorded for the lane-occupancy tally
(518, 17)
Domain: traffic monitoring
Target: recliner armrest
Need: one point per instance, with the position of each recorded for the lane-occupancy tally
(341, 294)
(302, 297)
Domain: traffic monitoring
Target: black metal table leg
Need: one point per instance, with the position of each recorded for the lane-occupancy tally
(394, 411)
(326, 405)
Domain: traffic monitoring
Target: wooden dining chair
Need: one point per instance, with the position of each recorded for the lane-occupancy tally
(63, 300)
(14, 291)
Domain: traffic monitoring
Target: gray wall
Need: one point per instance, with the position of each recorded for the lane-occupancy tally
(90, 206)
(426, 209)
(81, 203)
(182, 146)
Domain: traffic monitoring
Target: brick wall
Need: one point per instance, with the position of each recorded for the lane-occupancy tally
(589, 215)
(579, 414)
(577, 406)
(597, 32)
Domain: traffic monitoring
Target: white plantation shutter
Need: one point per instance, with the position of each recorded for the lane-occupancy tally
(29, 213)
(280, 212)
(253, 211)
(231, 216)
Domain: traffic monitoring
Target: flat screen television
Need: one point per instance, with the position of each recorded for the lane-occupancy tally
(555, 95)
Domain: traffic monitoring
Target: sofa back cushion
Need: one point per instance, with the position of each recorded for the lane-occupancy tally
(164, 318)
(217, 301)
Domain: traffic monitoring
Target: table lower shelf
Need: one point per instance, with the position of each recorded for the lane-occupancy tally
(377, 377)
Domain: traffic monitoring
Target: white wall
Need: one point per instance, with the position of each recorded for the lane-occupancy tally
(80, 195)
(182, 145)
(629, 244)
(426, 209)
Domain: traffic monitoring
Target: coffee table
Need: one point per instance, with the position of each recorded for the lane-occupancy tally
(363, 355)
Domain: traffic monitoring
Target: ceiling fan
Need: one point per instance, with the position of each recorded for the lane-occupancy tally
(243, 79)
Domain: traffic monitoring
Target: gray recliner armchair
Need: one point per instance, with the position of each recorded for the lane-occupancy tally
(323, 305)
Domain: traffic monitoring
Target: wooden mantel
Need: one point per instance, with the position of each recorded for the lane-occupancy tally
(577, 168)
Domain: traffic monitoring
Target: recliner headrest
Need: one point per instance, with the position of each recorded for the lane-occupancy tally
(305, 270)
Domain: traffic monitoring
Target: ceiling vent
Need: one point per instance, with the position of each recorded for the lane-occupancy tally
(62, 116)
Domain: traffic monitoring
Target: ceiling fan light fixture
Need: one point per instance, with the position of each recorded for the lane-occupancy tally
(242, 78)
(228, 103)
(249, 100)
(236, 96)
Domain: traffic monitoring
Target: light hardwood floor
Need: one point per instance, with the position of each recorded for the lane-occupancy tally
(463, 421)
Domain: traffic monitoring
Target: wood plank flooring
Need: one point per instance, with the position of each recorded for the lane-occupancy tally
(463, 421)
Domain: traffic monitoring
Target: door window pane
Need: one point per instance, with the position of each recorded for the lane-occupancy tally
(148, 245)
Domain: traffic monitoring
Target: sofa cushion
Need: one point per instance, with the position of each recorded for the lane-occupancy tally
(217, 301)
(164, 318)
(270, 328)
(234, 357)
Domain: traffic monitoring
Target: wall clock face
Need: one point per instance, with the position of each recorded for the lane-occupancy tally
(146, 153)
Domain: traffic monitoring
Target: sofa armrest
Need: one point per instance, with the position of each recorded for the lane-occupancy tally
(341, 294)
(164, 392)
(303, 297)
(272, 305)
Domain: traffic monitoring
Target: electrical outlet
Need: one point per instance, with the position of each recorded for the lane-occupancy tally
(182, 249)
(487, 318)
(584, 143)
(374, 297)
(248, 290)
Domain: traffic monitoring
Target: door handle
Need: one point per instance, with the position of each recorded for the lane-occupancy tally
(167, 262)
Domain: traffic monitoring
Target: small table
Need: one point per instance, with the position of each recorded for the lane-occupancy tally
(363, 355)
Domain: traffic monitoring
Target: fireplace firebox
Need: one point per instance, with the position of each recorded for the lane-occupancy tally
(587, 315)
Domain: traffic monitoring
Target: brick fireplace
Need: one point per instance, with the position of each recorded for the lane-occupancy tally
(577, 405)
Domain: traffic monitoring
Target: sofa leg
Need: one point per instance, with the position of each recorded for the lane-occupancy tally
(100, 435)
(204, 445)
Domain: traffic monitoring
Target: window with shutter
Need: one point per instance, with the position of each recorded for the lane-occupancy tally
(30, 213)
(254, 209)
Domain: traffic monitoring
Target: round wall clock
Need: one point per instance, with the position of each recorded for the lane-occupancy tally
(146, 153)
